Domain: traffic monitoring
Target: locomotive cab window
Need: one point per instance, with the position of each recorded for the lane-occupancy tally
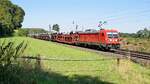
(112, 35)
(115, 35)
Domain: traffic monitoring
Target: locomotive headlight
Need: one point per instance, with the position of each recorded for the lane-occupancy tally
(110, 40)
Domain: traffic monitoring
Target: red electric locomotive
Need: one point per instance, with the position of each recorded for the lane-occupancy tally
(104, 39)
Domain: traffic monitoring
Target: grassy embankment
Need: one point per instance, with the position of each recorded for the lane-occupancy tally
(78, 72)
(136, 44)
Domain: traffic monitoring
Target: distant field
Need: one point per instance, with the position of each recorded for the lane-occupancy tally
(80, 72)
(136, 44)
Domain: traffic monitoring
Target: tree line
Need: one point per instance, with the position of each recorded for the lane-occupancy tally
(144, 33)
(26, 31)
(11, 17)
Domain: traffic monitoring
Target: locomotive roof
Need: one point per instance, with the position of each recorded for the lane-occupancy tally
(97, 31)
(109, 30)
(89, 31)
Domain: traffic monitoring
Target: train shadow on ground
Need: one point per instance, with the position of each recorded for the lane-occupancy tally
(94, 47)
(26, 74)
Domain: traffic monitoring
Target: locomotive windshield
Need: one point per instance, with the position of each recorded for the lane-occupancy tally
(112, 35)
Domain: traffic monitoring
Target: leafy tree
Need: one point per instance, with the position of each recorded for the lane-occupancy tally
(11, 17)
(144, 33)
(56, 27)
(22, 32)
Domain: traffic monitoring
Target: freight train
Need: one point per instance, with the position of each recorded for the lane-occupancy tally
(104, 39)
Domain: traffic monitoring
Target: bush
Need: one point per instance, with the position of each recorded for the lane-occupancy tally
(22, 32)
(9, 51)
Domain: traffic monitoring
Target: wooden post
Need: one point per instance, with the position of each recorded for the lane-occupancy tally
(118, 62)
(129, 55)
(38, 62)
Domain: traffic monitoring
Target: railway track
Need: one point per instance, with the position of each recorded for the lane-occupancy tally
(133, 54)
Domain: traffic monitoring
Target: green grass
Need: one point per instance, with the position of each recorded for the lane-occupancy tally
(79, 72)
(136, 44)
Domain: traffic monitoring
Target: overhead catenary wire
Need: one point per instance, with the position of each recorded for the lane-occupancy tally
(126, 15)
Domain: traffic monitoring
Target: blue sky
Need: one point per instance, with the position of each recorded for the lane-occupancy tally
(124, 15)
